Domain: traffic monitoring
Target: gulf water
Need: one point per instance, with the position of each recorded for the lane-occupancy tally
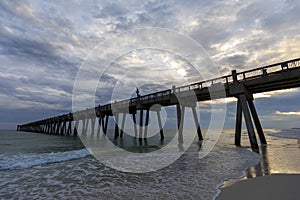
(34, 165)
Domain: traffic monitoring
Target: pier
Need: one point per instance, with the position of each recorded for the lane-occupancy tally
(241, 85)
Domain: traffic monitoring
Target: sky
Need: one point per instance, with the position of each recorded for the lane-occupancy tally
(44, 44)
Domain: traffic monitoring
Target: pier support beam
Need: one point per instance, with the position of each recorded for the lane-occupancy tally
(141, 124)
(75, 131)
(69, 128)
(99, 125)
(46, 128)
(146, 124)
(161, 131)
(134, 125)
(180, 120)
(83, 126)
(200, 137)
(116, 125)
(86, 126)
(57, 128)
(54, 128)
(93, 125)
(257, 122)
(105, 125)
(123, 124)
(249, 123)
(63, 128)
(49, 127)
(238, 123)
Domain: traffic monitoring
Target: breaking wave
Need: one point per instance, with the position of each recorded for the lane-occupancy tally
(21, 161)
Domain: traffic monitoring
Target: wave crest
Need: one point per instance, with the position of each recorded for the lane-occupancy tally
(21, 161)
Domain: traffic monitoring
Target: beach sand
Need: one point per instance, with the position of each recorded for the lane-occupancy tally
(273, 187)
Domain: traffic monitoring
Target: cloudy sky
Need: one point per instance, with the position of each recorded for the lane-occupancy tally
(43, 44)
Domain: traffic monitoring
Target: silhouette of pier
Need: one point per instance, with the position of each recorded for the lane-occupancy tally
(241, 85)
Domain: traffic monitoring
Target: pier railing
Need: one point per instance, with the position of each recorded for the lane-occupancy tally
(166, 94)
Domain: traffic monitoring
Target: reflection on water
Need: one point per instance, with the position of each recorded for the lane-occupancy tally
(262, 168)
(281, 155)
(140, 145)
(146, 145)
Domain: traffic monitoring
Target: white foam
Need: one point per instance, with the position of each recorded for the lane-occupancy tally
(21, 161)
(251, 159)
(172, 182)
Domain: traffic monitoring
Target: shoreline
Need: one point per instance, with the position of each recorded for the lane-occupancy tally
(228, 182)
(276, 173)
(273, 186)
(245, 175)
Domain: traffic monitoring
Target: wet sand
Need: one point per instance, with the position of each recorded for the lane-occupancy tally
(275, 186)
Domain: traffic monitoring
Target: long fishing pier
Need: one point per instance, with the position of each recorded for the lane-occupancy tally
(241, 85)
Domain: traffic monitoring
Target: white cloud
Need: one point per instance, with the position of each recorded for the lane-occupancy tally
(219, 101)
(288, 113)
(275, 93)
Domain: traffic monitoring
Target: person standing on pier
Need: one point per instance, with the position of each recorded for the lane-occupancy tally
(138, 92)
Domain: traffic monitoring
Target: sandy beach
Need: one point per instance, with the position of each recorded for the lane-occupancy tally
(275, 186)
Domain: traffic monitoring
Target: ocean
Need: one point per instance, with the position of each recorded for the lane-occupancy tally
(40, 166)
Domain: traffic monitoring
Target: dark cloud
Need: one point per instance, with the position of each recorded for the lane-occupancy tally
(234, 61)
(30, 49)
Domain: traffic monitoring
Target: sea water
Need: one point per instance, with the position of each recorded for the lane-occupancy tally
(34, 165)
